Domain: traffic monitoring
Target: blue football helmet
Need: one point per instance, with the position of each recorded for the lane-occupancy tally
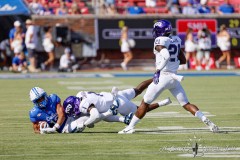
(39, 97)
(162, 28)
(71, 106)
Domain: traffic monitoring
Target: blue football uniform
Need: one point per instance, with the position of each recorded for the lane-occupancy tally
(48, 114)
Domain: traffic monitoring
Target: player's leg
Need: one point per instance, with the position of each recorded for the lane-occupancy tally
(179, 93)
(151, 94)
(114, 119)
(159, 104)
(134, 92)
(207, 58)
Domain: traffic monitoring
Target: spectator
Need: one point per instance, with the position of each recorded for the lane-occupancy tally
(190, 48)
(6, 50)
(190, 9)
(49, 48)
(19, 63)
(36, 7)
(17, 27)
(135, 9)
(213, 10)
(151, 3)
(125, 48)
(47, 10)
(109, 2)
(226, 8)
(74, 9)
(204, 47)
(31, 42)
(173, 7)
(203, 8)
(223, 42)
(62, 10)
(17, 41)
(67, 61)
(111, 9)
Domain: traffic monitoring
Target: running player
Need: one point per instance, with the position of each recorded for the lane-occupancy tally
(168, 57)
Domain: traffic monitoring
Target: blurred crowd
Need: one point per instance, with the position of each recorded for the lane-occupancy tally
(188, 7)
(20, 54)
(198, 49)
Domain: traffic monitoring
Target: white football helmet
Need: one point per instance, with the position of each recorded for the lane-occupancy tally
(37, 93)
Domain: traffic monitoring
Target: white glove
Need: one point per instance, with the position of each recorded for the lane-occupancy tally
(80, 127)
(48, 130)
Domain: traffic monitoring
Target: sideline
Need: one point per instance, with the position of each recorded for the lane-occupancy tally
(110, 75)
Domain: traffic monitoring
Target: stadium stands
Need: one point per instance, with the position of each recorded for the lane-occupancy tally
(122, 5)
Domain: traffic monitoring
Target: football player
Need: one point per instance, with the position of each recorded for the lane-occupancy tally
(168, 57)
(46, 108)
(97, 105)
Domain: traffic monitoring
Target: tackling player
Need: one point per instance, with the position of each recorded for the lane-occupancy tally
(168, 57)
(98, 104)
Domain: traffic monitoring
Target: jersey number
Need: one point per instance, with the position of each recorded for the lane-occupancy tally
(174, 51)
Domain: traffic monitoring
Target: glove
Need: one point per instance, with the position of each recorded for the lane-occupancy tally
(156, 77)
(80, 127)
(48, 130)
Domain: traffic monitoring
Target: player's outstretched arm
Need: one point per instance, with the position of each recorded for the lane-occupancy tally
(61, 114)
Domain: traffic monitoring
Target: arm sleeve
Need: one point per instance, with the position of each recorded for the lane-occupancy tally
(94, 117)
(162, 58)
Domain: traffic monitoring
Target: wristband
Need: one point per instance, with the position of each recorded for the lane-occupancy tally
(57, 126)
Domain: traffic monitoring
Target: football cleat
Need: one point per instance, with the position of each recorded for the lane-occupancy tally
(128, 118)
(127, 131)
(211, 126)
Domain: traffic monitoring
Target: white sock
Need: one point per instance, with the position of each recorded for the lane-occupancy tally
(114, 119)
(133, 122)
(200, 115)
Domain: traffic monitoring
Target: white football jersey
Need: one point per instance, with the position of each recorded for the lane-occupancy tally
(174, 50)
(102, 101)
(161, 41)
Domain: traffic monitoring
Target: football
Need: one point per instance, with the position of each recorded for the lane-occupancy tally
(43, 124)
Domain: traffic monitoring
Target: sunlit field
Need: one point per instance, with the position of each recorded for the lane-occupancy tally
(169, 132)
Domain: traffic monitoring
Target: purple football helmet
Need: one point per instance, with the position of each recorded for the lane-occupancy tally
(162, 28)
(71, 106)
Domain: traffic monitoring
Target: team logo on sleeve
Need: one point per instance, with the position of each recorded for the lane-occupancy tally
(38, 115)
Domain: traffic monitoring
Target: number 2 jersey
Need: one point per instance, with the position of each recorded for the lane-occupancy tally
(102, 101)
(173, 44)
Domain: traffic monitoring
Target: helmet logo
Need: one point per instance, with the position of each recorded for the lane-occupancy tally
(159, 24)
(68, 108)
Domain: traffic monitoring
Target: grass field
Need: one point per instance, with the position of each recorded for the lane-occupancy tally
(165, 133)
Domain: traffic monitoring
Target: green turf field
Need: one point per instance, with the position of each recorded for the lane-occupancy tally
(166, 133)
